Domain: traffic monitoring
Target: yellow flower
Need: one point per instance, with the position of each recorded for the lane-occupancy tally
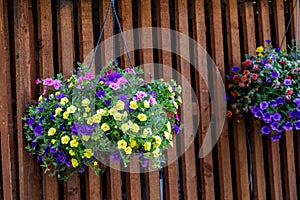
(41, 98)
(142, 117)
(135, 128)
(117, 116)
(122, 144)
(128, 150)
(175, 104)
(70, 85)
(124, 127)
(157, 140)
(156, 153)
(101, 82)
(71, 109)
(65, 139)
(53, 141)
(51, 131)
(132, 143)
(85, 102)
(65, 115)
(74, 143)
(74, 162)
(260, 54)
(146, 104)
(124, 115)
(87, 109)
(120, 105)
(97, 118)
(57, 93)
(90, 120)
(146, 132)
(260, 49)
(133, 105)
(64, 100)
(72, 153)
(85, 137)
(85, 115)
(167, 135)
(105, 127)
(95, 163)
(88, 153)
(58, 111)
(179, 99)
(169, 127)
(170, 89)
(101, 112)
(147, 146)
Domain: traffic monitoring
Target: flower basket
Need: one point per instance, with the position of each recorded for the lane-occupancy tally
(111, 116)
(267, 85)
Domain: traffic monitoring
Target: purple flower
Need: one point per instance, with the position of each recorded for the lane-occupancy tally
(100, 94)
(48, 82)
(123, 97)
(293, 114)
(116, 156)
(275, 137)
(276, 116)
(235, 69)
(152, 101)
(52, 116)
(268, 41)
(280, 100)
(297, 125)
(255, 110)
(107, 102)
(267, 117)
(86, 130)
(288, 126)
(38, 130)
(30, 121)
(268, 66)
(89, 76)
(52, 150)
(277, 50)
(153, 94)
(176, 128)
(40, 159)
(56, 84)
(33, 144)
(62, 127)
(297, 101)
(60, 157)
(272, 56)
(274, 126)
(59, 96)
(268, 79)
(68, 163)
(81, 169)
(274, 74)
(144, 162)
(113, 77)
(227, 97)
(263, 105)
(287, 81)
(140, 95)
(265, 130)
(273, 103)
(264, 61)
(74, 130)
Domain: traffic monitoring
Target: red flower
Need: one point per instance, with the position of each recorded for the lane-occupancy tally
(244, 78)
(270, 61)
(230, 85)
(241, 84)
(288, 97)
(248, 62)
(289, 77)
(255, 68)
(282, 62)
(234, 93)
(244, 64)
(236, 78)
(254, 76)
(289, 92)
(246, 72)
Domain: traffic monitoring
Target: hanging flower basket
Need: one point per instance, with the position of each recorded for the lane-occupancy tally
(116, 112)
(267, 85)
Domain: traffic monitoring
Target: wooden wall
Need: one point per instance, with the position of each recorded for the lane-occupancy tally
(44, 37)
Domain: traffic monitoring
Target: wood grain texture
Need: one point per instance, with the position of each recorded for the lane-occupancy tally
(7, 138)
(223, 142)
(239, 132)
(46, 66)
(29, 187)
(189, 175)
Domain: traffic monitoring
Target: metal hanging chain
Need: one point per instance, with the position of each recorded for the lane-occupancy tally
(101, 33)
(289, 23)
(121, 32)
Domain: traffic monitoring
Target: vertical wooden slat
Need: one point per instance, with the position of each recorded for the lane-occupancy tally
(165, 58)
(66, 50)
(86, 45)
(50, 184)
(288, 151)
(9, 184)
(206, 163)
(146, 57)
(241, 160)
(223, 142)
(25, 75)
(189, 175)
(293, 23)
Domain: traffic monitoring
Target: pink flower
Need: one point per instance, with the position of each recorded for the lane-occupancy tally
(122, 80)
(177, 118)
(56, 84)
(152, 100)
(140, 95)
(37, 81)
(80, 79)
(131, 71)
(89, 76)
(92, 86)
(48, 82)
(114, 86)
(79, 87)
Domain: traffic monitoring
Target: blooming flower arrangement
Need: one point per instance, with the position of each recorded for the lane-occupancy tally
(268, 85)
(116, 113)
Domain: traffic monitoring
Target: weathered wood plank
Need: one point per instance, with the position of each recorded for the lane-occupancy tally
(189, 175)
(239, 132)
(279, 22)
(7, 138)
(206, 163)
(29, 187)
(50, 184)
(165, 58)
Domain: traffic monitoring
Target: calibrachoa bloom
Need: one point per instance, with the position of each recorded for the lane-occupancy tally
(268, 85)
(71, 125)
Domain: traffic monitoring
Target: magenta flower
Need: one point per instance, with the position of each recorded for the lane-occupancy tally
(48, 82)
(79, 87)
(89, 76)
(114, 86)
(140, 95)
(131, 71)
(37, 81)
(122, 80)
(80, 79)
(152, 101)
(56, 84)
